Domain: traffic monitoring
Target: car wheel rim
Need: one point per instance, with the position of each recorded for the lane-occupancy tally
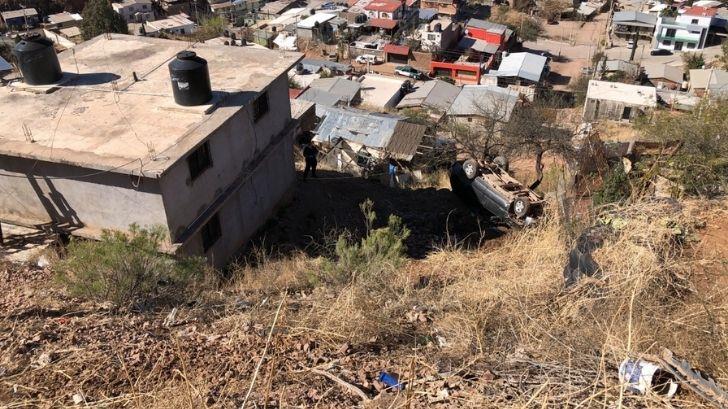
(518, 207)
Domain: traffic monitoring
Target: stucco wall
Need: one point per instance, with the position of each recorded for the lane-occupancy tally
(67, 195)
(251, 206)
(233, 146)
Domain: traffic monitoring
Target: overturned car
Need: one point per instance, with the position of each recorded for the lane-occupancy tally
(491, 187)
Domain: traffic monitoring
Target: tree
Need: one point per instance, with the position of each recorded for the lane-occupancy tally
(481, 137)
(700, 165)
(535, 129)
(525, 26)
(552, 10)
(99, 18)
(693, 61)
(724, 57)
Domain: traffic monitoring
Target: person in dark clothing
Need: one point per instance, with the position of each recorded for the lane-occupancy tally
(310, 153)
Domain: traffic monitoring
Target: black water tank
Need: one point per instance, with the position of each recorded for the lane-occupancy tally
(37, 60)
(190, 79)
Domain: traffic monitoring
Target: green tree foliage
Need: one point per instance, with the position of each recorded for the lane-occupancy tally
(128, 270)
(210, 27)
(701, 163)
(693, 61)
(525, 26)
(724, 56)
(379, 251)
(99, 18)
(615, 187)
(552, 10)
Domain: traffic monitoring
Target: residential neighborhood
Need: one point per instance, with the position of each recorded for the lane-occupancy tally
(364, 203)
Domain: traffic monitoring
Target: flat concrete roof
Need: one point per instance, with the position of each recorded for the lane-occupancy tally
(100, 118)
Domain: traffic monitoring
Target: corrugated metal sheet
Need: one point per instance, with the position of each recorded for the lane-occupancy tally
(378, 131)
(523, 65)
(4, 65)
(485, 100)
(433, 94)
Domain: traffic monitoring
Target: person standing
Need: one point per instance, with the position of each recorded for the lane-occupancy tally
(310, 153)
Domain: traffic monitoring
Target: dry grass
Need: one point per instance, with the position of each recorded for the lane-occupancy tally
(509, 301)
(447, 321)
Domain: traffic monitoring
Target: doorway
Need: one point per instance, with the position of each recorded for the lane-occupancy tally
(627, 113)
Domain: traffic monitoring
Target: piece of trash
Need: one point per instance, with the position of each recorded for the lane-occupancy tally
(701, 384)
(641, 376)
(77, 398)
(391, 381)
(171, 317)
(43, 262)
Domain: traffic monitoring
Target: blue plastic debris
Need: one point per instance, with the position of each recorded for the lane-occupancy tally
(391, 381)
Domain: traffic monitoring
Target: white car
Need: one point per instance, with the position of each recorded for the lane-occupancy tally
(366, 59)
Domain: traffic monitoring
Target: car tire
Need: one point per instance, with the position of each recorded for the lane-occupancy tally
(521, 206)
(470, 167)
(501, 162)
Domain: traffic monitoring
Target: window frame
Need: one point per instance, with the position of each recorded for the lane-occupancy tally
(211, 232)
(197, 167)
(258, 110)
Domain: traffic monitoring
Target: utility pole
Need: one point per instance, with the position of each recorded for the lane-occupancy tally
(634, 44)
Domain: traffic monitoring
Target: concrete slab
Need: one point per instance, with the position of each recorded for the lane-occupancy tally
(142, 134)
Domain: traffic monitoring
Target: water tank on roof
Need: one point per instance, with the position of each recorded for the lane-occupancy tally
(190, 79)
(37, 60)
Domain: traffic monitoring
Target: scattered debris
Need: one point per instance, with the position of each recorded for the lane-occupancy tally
(640, 376)
(171, 317)
(702, 385)
(391, 381)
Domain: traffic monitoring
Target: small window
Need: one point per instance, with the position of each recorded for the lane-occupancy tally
(260, 106)
(211, 232)
(690, 45)
(144, 7)
(667, 42)
(670, 32)
(199, 160)
(470, 119)
(694, 21)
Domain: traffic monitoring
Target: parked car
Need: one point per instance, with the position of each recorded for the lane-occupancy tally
(408, 71)
(489, 185)
(630, 43)
(366, 59)
(660, 51)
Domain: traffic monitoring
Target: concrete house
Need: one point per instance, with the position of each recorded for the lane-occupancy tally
(135, 11)
(64, 20)
(617, 101)
(316, 27)
(94, 155)
(179, 24)
(687, 31)
(438, 34)
(626, 23)
(17, 19)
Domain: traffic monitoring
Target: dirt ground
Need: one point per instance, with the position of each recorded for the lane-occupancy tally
(330, 204)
